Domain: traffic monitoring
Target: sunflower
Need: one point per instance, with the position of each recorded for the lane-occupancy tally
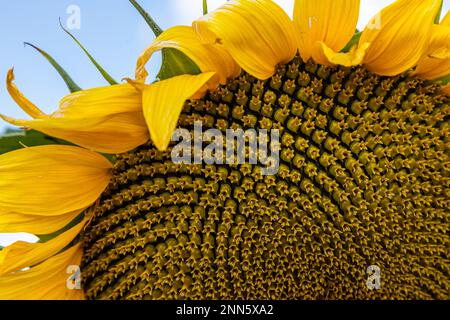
(363, 177)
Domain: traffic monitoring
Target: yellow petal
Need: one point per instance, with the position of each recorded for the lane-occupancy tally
(327, 56)
(398, 35)
(36, 224)
(329, 21)
(51, 180)
(21, 254)
(20, 99)
(435, 63)
(46, 281)
(164, 100)
(258, 34)
(107, 119)
(209, 58)
(112, 134)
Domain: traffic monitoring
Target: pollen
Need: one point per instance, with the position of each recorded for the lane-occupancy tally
(363, 181)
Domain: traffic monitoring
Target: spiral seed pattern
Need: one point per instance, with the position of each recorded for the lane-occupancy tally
(363, 180)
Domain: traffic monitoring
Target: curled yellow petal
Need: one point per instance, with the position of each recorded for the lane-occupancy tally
(21, 254)
(11, 222)
(52, 279)
(258, 34)
(328, 21)
(399, 35)
(20, 99)
(51, 180)
(107, 119)
(327, 56)
(164, 100)
(435, 63)
(208, 57)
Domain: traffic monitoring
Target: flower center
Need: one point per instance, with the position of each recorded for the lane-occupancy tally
(362, 182)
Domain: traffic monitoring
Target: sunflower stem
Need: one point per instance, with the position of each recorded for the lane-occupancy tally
(205, 7)
(71, 85)
(105, 74)
(152, 24)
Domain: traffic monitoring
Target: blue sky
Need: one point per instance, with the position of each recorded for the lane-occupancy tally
(112, 31)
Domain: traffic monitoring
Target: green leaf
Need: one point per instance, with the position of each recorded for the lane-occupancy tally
(1, 248)
(73, 87)
(437, 20)
(17, 139)
(205, 7)
(103, 72)
(354, 40)
(174, 62)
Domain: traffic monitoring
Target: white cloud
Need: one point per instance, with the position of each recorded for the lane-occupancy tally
(187, 11)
